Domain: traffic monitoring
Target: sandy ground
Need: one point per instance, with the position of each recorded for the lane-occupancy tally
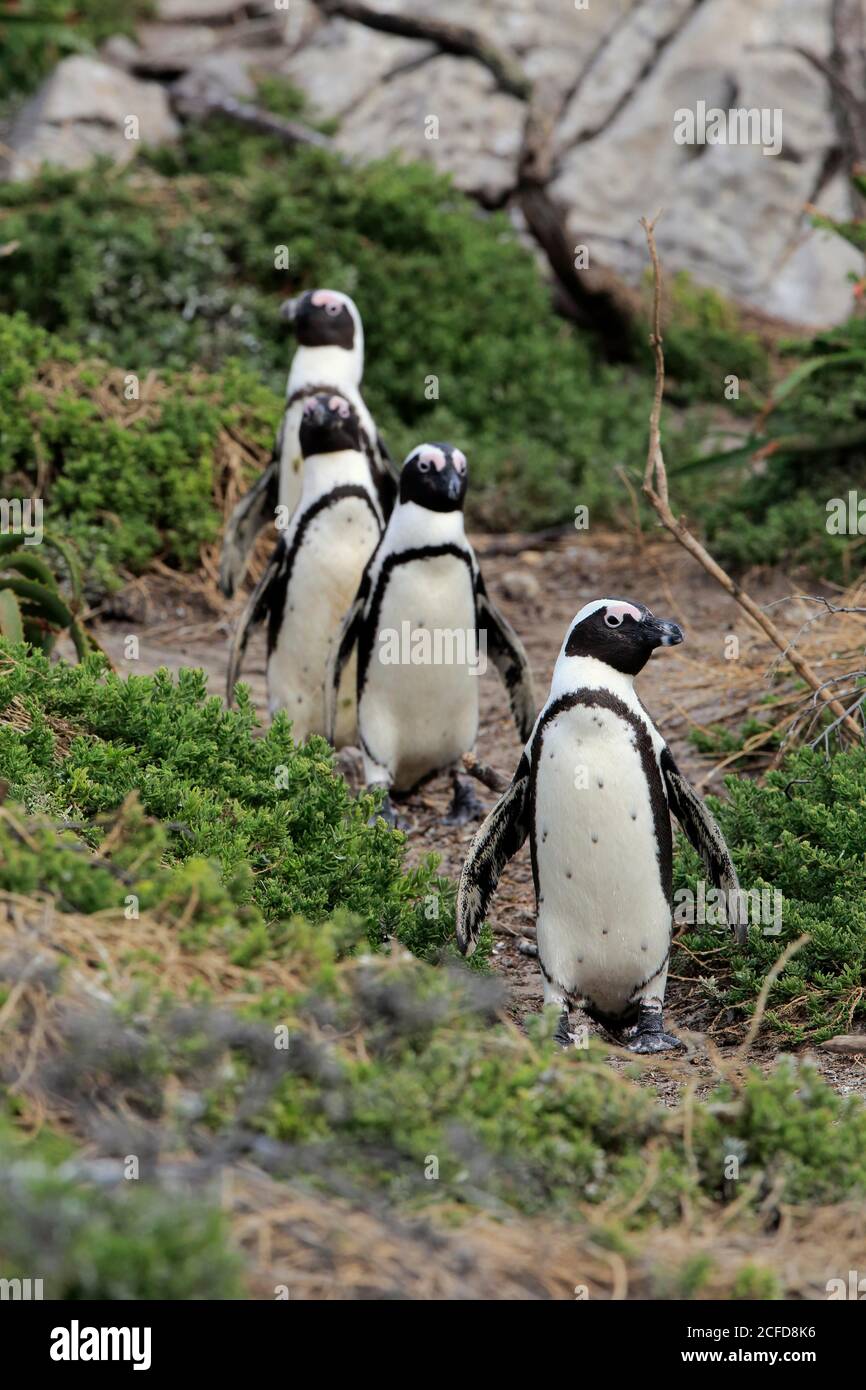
(540, 590)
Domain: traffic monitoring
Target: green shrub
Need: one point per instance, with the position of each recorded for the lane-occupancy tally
(802, 832)
(175, 267)
(264, 810)
(705, 343)
(123, 493)
(36, 34)
(518, 1121)
(392, 1064)
(807, 448)
(129, 1241)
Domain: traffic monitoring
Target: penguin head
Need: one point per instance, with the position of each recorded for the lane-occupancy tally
(434, 476)
(623, 635)
(324, 318)
(328, 423)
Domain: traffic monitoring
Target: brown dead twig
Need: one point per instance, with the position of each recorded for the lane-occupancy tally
(655, 488)
(485, 774)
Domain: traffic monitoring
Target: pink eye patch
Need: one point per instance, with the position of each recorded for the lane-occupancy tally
(341, 407)
(622, 610)
(327, 299)
(429, 454)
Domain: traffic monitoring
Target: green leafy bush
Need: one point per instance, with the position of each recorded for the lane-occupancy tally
(125, 479)
(802, 832)
(514, 1119)
(391, 1064)
(176, 266)
(807, 448)
(36, 34)
(274, 814)
(705, 343)
(129, 1241)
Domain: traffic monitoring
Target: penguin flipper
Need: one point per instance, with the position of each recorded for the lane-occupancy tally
(253, 512)
(257, 607)
(386, 488)
(387, 458)
(509, 657)
(703, 831)
(497, 841)
(384, 471)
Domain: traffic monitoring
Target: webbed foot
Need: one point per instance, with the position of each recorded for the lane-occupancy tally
(649, 1035)
(562, 1035)
(465, 805)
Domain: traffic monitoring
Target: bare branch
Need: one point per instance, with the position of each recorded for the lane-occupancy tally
(655, 488)
(485, 774)
(255, 117)
(655, 464)
(458, 39)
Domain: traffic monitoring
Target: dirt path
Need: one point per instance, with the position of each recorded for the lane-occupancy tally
(696, 684)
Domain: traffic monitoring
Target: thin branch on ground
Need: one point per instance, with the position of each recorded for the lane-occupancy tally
(655, 487)
(485, 774)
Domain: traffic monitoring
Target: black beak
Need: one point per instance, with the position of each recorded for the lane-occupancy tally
(453, 487)
(665, 633)
(289, 310)
(315, 414)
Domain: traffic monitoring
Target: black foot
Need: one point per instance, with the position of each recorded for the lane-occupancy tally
(562, 1035)
(465, 805)
(649, 1035)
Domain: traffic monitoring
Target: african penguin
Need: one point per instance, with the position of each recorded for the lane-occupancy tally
(314, 573)
(423, 626)
(594, 790)
(329, 359)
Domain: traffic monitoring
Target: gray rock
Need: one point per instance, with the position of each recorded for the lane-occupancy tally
(521, 586)
(83, 110)
(224, 74)
(612, 74)
(447, 111)
(733, 216)
(552, 39)
(343, 62)
(120, 51)
(300, 22)
(198, 11)
(167, 48)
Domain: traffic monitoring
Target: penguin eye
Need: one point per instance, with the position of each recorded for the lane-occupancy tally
(612, 620)
(333, 309)
(423, 465)
(459, 464)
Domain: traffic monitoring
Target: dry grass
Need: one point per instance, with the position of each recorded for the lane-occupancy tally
(325, 1247)
(234, 455)
(317, 1247)
(18, 717)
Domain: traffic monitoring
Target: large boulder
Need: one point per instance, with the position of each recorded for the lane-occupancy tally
(342, 62)
(734, 216)
(450, 112)
(84, 109)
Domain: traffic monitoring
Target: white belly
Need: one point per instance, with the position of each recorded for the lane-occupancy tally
(324, 581)
(604, 920)
(419, 714)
